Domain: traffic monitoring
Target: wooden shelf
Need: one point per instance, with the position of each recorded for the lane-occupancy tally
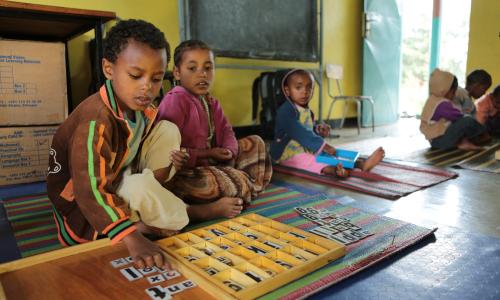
(48, 23)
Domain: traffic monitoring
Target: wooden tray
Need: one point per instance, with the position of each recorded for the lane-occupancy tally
(248, 256)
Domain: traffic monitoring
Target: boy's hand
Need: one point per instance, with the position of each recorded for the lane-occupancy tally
(221, 154)
(323, 130)
(179, 158)
(329, 149)
(144, 252)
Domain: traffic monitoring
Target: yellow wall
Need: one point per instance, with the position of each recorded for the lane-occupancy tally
(161, 13)
(342, 45)
(484, 39)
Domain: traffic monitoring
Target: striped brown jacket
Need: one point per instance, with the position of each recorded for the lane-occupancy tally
(85, 164)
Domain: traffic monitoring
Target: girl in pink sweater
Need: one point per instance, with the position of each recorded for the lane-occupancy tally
(220, 170)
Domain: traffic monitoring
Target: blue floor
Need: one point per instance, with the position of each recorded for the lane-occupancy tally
(455, 265)
(10, 191)
(8, 246)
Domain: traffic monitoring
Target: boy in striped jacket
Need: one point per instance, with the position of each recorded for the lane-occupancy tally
(101, 178)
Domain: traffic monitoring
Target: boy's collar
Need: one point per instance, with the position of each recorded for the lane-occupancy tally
(111, 98)
(108, 96)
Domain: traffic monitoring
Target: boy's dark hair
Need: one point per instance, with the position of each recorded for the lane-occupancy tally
(188, 45)
(454, 84)
(496, 92)
(296, 72)
(478, 76)
(141, 31)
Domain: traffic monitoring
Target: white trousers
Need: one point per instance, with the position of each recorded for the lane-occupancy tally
(149, 201)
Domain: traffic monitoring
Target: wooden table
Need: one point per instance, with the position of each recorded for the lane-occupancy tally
(78, 272)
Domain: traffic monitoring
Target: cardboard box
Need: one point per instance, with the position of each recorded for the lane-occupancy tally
(33, 87)
(24, 153)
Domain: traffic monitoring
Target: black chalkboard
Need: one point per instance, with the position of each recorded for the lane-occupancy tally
(267, 29)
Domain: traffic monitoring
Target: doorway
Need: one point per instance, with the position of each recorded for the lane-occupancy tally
(417, 21)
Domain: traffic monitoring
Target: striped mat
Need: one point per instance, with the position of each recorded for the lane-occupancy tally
(472, 160)
(32, 223)
(35, 231)
(388, 180)
(390, 236)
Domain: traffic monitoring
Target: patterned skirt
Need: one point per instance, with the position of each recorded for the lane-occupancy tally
(251, 173)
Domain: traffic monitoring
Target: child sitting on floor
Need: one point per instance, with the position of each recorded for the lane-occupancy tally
(488, 111)
(298, 140)
(477, 83)
(98, 175)
(443, 124)
(222, 172)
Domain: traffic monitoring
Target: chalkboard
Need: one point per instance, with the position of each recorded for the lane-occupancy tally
(266, 29)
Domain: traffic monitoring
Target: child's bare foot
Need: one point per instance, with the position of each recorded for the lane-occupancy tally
(373, 159)
(465, 144)
(226, 207)
(329, 170)
(336, 171)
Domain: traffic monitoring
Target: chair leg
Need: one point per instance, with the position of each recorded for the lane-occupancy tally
(358, 106)
(330, 109)
(344, 114)
(370, 100)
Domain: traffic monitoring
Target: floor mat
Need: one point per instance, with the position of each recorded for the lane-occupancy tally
(473, 160)
(35, 231)
(32, 222)
(388, 180)
(483, 161)
(390, 236)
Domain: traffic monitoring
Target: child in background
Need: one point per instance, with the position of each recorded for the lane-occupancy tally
(297, 140)
(221, 172)
(443, 124)
(488, 111)
(477, 83)
(98, 147)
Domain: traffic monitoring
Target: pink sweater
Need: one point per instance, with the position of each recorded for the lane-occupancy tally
(485, 108)
(186, 111)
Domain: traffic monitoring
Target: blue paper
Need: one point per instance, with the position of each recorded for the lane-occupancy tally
(346, 157)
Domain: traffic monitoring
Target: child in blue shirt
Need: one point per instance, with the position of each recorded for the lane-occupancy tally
(298, 140)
